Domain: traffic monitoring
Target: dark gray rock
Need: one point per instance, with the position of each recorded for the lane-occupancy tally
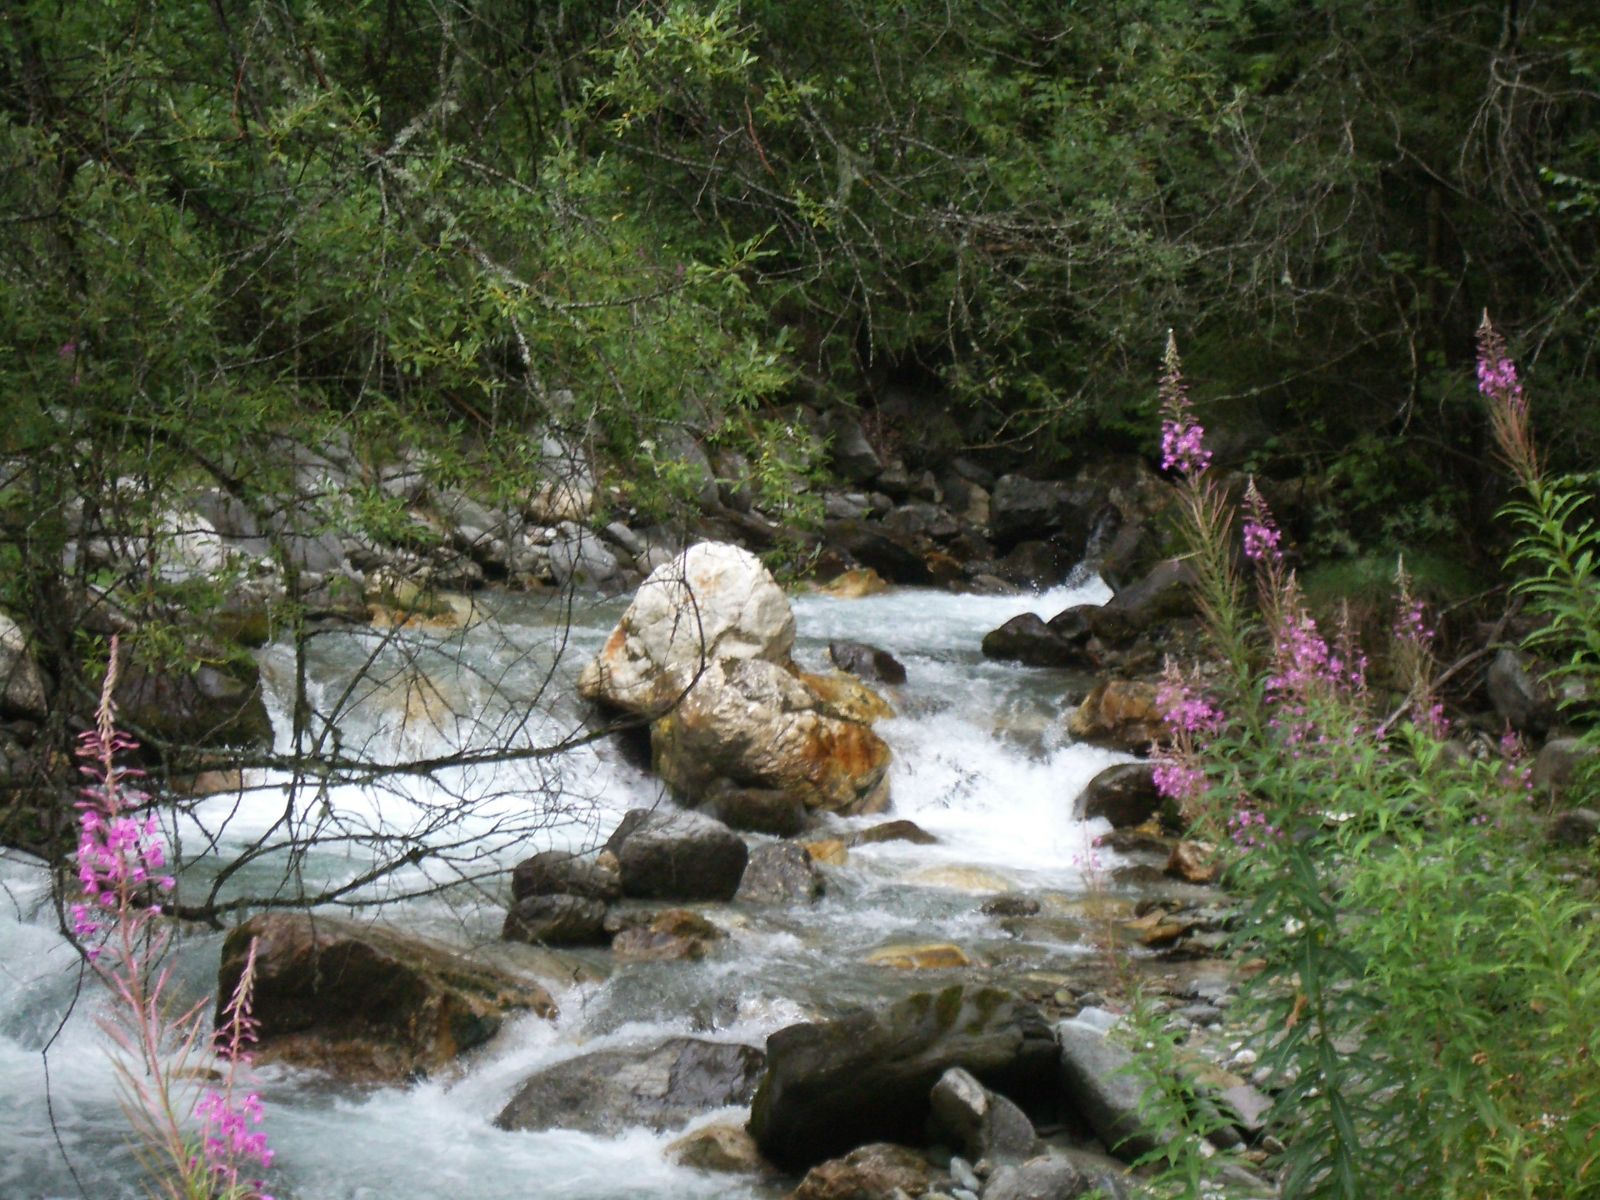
(1161, 594)
(1246, 1106)
(1037, 563)
(1022, 509)
(1124, 794)
(1521, 700)
(780, 873)
(1575, 827)
(22, 686)
(755, 810)
(866, 662)
(983, 1124)
(897, 558)
(1028, 639)
(854, 459)
(1559, 761)
(1042, 1178)
(867, 1075)
(578, 557)
(364, 1002)
(1010, 906)
(203, 707)
(661, 1087)
(677, 855)
(555, 920)
(1097, 1082)
(556, 872)
(922, 519)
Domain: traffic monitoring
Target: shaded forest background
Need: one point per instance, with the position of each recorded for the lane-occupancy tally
(458, 225)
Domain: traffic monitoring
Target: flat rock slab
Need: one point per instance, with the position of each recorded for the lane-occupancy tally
(660, 1087)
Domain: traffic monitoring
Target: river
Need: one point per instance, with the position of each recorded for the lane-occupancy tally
(981, 761)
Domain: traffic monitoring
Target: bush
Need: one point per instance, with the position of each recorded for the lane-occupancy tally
(1429, 974)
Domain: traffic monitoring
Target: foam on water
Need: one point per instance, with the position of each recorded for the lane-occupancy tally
(981, 761)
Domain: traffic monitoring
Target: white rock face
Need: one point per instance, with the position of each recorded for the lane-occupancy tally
(752, 722)
(21, 684)
(714, 601)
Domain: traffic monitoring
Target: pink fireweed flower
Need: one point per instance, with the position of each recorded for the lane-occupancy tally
(1183, 446)
(1178, 778)
(1497, 373)
(1261, 533)
(1508, 406)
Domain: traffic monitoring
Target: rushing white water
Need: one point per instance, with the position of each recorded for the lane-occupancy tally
(981, 761)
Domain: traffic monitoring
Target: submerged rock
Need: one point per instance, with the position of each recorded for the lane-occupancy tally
(894, 831)
(672, 935)
(723, 1146)
(366, 1002)
(932, 956)
(831, 1085)
(660, 1087)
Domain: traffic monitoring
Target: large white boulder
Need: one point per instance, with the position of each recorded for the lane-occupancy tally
(714, 601)
(759, 725)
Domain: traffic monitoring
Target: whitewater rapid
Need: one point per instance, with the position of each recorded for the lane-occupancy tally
(981, 761)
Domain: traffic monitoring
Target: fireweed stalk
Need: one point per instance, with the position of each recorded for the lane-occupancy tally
(192, 1149)
(1391, 916)
(1559, 549)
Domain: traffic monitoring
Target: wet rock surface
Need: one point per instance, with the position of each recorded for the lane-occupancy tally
(673, 854)
(830, 1086)
(661, 1087)
(365, 1002)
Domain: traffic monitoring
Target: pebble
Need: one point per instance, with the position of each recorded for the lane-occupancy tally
(1243, 1060)
(1201, 1014)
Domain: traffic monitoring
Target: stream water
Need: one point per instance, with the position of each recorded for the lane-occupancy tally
(981, 761)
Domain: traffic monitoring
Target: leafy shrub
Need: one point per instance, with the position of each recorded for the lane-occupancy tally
(1429, 976)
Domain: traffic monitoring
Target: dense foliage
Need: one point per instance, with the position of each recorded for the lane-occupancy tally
(240, 229)
(1426, 959)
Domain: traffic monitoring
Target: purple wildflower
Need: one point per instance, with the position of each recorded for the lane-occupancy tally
(1182, 437)
(1508, 407)
(1497, 373)
(1261, 533)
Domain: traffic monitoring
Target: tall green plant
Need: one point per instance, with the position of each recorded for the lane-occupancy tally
(1423, 1032)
